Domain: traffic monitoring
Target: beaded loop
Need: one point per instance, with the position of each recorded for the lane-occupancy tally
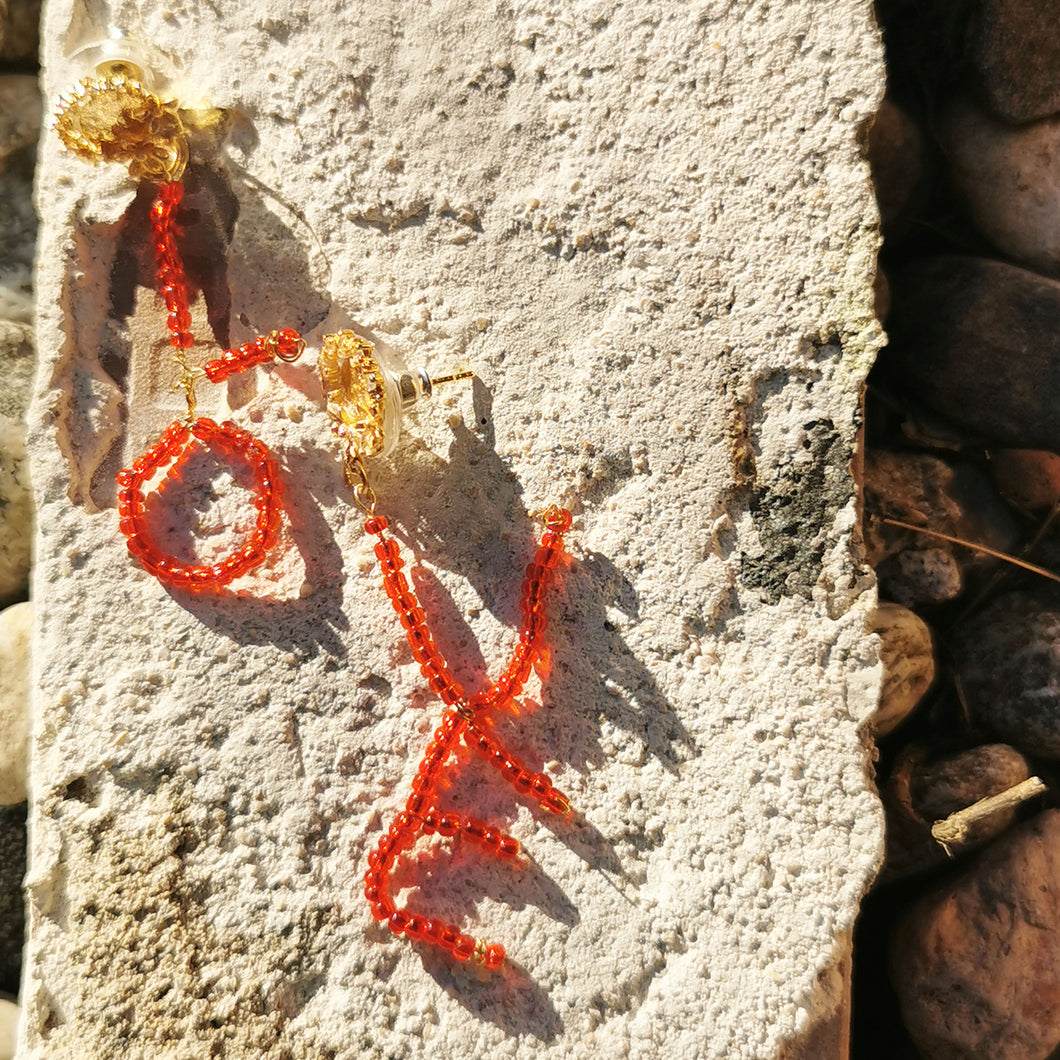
(238, 445)
(465, 719)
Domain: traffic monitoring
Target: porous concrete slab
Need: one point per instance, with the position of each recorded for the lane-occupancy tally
(649, 230)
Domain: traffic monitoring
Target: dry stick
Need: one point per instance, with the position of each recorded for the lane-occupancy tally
(953, 831)
(976, 548)
(962, 699)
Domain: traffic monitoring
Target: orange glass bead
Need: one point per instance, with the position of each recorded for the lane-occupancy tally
(406, 602)
(452, 693)
(494, 956)
(288, 343)
(398, 920)
(463, 947)
(474, 828)
(558, 519)
(378, 862)
(416, 927)
(383, 909)
(387, 548)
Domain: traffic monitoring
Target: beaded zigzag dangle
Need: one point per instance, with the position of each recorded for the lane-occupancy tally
(365, 402)
(468, 719)
(114, 118)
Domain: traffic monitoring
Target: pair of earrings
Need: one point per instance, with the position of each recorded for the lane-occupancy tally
(113, 117)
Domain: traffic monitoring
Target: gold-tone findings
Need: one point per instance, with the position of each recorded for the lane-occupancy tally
(355, 391)
(113, 118)
(357, 479)
(189, 376)
(281, 347)
(366, 396)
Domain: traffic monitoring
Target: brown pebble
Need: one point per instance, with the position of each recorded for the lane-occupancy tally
(908, 664)
(1029, 479)
(976, 964)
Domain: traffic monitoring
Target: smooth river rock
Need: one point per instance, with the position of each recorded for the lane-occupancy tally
(979, 341)
(1009, 180)
(908, 659)
(1016, 52)
(1008, 661)
(932, 495)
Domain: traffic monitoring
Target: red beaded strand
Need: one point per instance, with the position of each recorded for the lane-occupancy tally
(236, 443)
(421, 814)
(172, 281)
(285, 344)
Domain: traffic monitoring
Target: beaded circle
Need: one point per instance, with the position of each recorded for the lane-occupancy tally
(239, 445)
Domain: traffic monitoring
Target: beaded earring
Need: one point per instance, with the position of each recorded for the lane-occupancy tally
(365, 401)
(113, 117)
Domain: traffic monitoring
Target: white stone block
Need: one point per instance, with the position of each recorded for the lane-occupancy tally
(650, 231)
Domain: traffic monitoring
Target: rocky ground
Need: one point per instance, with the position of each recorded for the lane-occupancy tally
(956, 955)
(956, 952)
(20, 112)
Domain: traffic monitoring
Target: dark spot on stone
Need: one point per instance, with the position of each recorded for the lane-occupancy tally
(12, 912)
(794, 515)
(80, 790)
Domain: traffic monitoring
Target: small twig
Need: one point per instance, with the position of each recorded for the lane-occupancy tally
(975, 548)
(962, 699)
(953, 831)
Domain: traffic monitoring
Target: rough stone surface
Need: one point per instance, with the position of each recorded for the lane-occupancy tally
(1008, 659)
(16, 502)
(981, 342)
(976, 965)
(908, 664)
(12, 909)
(650, 231)
(1009, 179)
(1016, 51)
(16, 625)
(8, 1028)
